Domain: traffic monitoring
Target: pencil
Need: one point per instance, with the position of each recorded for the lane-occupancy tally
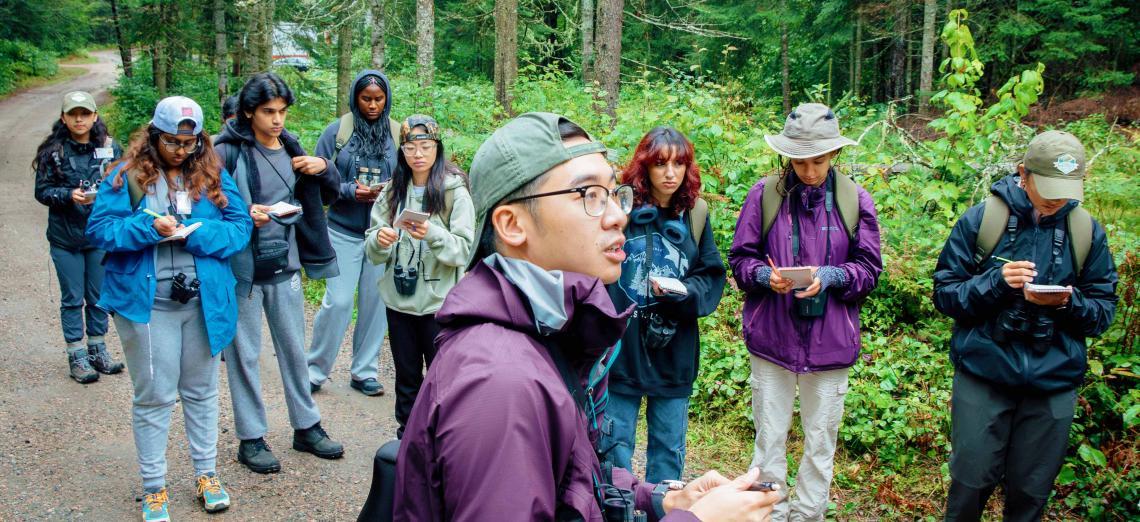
(774, 269)
(999, 258)
(153, 213)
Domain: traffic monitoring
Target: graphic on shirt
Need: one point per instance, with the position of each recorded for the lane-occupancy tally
(668, 261)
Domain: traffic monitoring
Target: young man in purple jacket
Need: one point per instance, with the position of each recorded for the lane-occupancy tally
(496, 433)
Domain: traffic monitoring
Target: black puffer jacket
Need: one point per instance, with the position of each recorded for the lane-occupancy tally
(56, 178)
(977, 297)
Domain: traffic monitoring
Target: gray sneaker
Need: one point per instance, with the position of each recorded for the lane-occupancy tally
(80, 362)
(101, 359)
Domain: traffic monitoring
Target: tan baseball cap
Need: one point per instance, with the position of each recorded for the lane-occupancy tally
(1057, 159)
(75, 99)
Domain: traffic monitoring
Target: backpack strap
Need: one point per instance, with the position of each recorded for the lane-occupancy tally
(344, 133)
(995, 222)
(1080, 236)
(133, 188)
(771, 201)
(847, 201)
(448, 203)
(697, 218)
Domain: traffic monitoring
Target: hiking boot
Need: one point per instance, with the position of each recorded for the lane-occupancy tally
(101, 359)
(211, 493)
(314, 440)
(154, 506)
(368, 386)
(257, 456)
(80, 362)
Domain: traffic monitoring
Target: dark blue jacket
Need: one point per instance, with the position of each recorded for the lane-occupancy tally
(57, 178)
(977, 296)
(129, 237)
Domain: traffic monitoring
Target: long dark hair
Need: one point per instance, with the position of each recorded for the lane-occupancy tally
(202, 168)
(53, 143)
(657, 145)
(260, 89)
(433, 192)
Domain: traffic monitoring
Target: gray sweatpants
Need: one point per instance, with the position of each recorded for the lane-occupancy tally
(167, 358)
(283, 306)
(356, 274)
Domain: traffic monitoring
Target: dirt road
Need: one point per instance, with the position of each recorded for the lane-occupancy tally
(66, 450)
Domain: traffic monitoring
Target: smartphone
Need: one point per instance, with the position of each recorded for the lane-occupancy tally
(763, 486)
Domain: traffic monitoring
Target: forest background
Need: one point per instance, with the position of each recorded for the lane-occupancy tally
(943, 96)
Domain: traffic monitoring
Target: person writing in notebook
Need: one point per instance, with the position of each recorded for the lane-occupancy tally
(1019, 351)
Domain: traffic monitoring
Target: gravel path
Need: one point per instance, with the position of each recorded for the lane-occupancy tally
(66, 450)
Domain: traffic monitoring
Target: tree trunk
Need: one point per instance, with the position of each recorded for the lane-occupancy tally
(220, 49)
(858, 55)
(898, 52)
(343, 65)
(379, 29)
(239, 55)
(609, 52)
(124, 46)
(506, 52)
(269, 8)
(425, 44)
(587, 41)
(158, 61)
(926, 76)
(550, 19)
(784, 57)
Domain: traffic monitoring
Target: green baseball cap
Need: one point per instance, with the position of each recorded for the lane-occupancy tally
(517, 153)
(1057, 159)
(75, 99)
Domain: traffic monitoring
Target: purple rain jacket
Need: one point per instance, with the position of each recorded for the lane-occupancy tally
(495, 433)
(772, 330)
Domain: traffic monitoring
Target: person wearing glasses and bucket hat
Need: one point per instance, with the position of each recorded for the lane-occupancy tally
(802, 331)
(169, 217)
(423, 258)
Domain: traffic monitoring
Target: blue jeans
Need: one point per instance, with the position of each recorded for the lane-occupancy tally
(668, 419)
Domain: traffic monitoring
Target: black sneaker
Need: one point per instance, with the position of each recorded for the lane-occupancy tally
(368, 386)
(101, 359)
(314, 440)
(80, 363)
(314, 388)
(257, 456)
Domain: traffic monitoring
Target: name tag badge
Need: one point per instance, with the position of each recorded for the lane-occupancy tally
(104, 153)
(182, 202)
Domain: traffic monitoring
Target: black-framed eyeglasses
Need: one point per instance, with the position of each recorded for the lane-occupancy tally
(594, 198)
(173, 146)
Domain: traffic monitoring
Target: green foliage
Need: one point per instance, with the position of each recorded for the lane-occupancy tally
(22, 60)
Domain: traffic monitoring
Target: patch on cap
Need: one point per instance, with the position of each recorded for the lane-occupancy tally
(77, 97)
(1066, 163)
(187, 111)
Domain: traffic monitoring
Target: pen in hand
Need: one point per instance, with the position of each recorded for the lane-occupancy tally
(774, 269)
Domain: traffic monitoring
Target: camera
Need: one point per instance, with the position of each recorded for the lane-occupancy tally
(811, 307)
(182, 291)
(405, 279)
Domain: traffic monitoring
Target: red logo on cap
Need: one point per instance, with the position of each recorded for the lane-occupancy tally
(187, 111)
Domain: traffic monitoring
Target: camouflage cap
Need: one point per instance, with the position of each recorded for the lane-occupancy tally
(431, 128)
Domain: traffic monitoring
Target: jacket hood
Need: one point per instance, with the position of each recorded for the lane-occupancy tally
(358, 83)
(486, 295)
(234, 134)
(1010, 191)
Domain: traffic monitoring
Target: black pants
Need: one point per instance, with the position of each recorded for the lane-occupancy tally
(412, 338)
(1000, 436)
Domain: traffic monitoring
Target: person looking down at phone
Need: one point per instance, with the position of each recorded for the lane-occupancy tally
(1019, 354)
(661, 347)
(807, 215)
(365, 161)
(423, 259)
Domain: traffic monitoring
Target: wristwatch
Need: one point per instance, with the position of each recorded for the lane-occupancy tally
(659, 492)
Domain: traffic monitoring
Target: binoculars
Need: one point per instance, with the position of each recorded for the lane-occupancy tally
(1018, 322)
(405, 279)
(182, 291)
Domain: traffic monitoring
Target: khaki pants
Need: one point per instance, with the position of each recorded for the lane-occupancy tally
(821, 408)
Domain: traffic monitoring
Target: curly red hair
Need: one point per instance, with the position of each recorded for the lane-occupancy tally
(658, 145)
